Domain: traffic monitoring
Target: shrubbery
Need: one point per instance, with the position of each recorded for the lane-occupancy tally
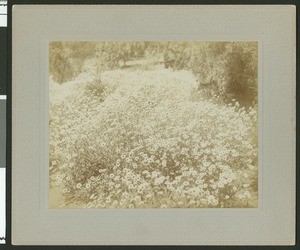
(66, 59)
(138, 139)
(227, 70)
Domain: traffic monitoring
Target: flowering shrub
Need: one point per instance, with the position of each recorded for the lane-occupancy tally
(138, 139)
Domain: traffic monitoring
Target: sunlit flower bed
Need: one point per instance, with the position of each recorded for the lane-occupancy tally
(138, 140)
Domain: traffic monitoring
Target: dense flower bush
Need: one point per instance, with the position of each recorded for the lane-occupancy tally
(138, 139)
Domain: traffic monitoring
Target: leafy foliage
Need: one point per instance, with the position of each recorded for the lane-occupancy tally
(227, 70)
(67, 58)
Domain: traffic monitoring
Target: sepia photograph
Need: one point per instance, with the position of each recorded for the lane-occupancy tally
(153, 124)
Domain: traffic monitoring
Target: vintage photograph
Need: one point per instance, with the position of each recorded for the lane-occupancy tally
(152, 124)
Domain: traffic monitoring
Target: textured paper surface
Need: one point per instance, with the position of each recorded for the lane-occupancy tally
(272, 223)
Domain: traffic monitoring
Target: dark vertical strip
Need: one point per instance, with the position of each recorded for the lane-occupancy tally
(9, 124)
(3, 61)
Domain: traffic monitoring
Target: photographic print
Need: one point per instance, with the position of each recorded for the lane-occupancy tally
(152, 124)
